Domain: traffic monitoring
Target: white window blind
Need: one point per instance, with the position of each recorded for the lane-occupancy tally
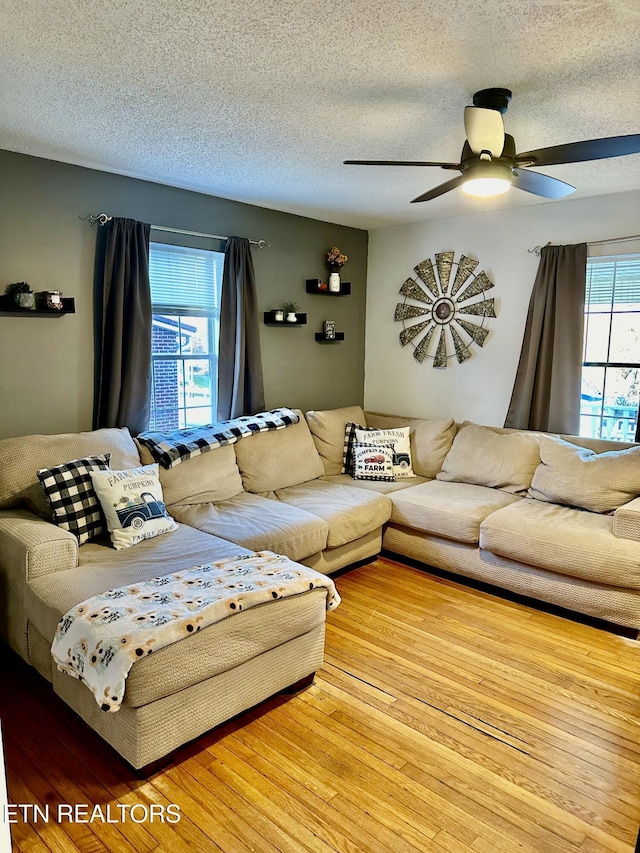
(185, 277)
(613, 280)
(186, 286)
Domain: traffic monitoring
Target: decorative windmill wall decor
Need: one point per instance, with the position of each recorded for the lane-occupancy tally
(442, 307)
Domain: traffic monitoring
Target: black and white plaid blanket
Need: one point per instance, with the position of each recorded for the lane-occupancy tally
(172, 448)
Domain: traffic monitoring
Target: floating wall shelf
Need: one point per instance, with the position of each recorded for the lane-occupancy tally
(7, 309)
(313, 286)
(269, 320)
(321, 338)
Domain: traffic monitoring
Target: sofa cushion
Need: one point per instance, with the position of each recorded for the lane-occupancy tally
(452, 510)
(69, 491)
(576, 476)
(21, 458)
(211, 476)
(327, 428)
(563, 540)
(100, 568)
(383, 487)
(258, 523)
(350, 513)
(482, 456)
(275, 460)
(430, 439)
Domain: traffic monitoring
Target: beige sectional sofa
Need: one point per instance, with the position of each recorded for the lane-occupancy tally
(470, 509)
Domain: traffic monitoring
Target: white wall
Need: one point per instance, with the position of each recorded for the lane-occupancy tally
(479, 389)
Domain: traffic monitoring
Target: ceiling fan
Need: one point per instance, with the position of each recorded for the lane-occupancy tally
(489, 164)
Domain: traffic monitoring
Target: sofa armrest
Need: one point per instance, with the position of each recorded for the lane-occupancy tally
(31, 547)
(626, 521)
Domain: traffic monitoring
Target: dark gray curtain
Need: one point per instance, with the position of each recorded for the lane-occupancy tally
(546, 393)
(240, 383)
(122, 301)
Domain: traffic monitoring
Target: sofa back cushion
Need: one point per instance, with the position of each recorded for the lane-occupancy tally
(579, 477)
(22, 457)
(327, 428)
(484, 457)
(207, 478)
(430, 439)
(278, 459)
(600, 445)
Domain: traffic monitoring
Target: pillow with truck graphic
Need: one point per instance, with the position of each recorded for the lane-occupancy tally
(132, 504)
(372, 461)
(399, 439)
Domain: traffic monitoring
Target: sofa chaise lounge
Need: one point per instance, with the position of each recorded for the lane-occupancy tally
(191, 686)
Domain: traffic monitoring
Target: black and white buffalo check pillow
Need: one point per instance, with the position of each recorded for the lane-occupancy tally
(72, 498)
(347, 450)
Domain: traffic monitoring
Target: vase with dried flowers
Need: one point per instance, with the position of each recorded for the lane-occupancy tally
(335, 261)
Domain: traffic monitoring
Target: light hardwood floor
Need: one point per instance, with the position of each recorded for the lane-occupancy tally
(445, 719)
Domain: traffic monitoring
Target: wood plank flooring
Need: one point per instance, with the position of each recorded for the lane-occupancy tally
(445, 719)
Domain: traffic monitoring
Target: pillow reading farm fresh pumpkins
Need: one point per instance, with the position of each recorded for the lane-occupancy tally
(399, 440)
(132, 504)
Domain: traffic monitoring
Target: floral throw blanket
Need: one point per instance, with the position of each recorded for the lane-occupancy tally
(172, 448)
(99, 640)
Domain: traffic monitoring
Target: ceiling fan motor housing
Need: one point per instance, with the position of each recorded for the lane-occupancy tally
(469, 159)
(493, 99)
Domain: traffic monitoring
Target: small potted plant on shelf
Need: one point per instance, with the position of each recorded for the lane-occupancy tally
(21, 295)
(291, 309)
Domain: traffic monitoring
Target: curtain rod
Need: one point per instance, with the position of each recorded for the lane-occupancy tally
(103, 218)
(537, 249)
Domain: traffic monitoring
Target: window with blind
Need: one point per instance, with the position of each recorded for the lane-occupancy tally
(185, 295)
(611, 361)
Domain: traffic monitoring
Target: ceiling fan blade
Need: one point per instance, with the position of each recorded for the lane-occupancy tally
(539, 184)
(485, 130)
(578, 152)
(440, 190)
(400, 163)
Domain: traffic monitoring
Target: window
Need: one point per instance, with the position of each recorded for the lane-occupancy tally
(185, 296)
(611, 361)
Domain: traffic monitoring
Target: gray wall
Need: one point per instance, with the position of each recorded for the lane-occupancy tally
(46, 364)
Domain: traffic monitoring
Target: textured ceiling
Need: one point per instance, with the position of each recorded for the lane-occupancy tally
(261, 101)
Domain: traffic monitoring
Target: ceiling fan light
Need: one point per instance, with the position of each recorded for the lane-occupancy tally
(487, 179)
(486, 187)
